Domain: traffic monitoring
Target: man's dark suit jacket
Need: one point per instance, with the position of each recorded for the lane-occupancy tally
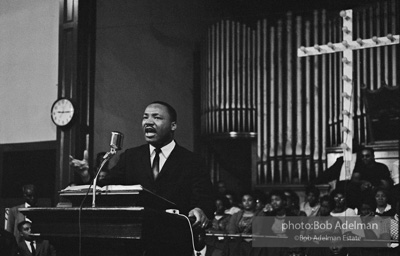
(183, 179)
(15, 217)
(43, 248)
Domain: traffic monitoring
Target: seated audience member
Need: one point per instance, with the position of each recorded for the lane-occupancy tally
(215, 245)
(241, 223)
(367, 207)
(340, 205)
(323, 216)
(363, 162)
(221, 219)
(29, 246)
(274, 226)
(233, 204)
(354, 190)
(293, 202)
(394, 228)
(383, 208)
(326, 206)
(8, 245)
(311, 205)
(372, 172)
(345, 213)
(378, 235)
(14, 217)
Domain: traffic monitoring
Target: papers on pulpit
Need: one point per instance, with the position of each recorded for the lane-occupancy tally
(105, 189)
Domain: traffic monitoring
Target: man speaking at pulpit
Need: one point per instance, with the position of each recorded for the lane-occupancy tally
(162, 166)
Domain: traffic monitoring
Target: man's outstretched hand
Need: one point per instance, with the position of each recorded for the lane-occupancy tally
(81, 166)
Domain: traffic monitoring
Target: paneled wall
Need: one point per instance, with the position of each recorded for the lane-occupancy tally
(253, 81)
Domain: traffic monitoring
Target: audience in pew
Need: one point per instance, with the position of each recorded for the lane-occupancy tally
(29, 192)
(382, 198)
(31, 246)
(215, 244)
(284, 203)
(293, 202)
(311, 205)
(233, 203)
(241, 223)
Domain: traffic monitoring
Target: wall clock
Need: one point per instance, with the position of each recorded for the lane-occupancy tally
(62, 112)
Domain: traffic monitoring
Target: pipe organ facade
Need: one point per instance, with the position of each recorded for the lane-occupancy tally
(254, 83)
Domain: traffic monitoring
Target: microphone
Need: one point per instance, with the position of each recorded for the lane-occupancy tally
(115, 144)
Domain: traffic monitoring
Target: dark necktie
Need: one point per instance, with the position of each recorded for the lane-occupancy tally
(33, 248)
(156, 163)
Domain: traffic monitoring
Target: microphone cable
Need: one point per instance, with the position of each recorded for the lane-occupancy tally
(83, 200)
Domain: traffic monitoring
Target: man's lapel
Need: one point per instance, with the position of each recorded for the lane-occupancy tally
(39, 245)
(171, 162)
(24, 247)
(146, 162)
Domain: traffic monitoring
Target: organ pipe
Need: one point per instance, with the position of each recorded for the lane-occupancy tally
(255, 85)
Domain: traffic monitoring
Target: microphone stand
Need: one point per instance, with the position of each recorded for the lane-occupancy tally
(106, 157)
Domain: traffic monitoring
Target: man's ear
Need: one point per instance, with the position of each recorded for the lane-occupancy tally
(174, 126)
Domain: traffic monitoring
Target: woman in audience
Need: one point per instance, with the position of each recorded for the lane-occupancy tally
(383, 208)
(241, 223)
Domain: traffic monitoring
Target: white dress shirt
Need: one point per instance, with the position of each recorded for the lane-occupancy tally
(28, 244)
(164, 154)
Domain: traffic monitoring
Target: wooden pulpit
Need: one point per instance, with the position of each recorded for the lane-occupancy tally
(113, 229)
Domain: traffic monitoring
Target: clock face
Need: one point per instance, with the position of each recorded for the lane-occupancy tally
(62, 112)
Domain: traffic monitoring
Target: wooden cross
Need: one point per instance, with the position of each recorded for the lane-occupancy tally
(347, 46)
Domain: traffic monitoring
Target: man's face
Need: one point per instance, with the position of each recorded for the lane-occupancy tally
(26, 231)
(312, 199)
(325, 208)
(367, 157)
(30, 196)
(277, 202)
(157, 125)
(339, 200)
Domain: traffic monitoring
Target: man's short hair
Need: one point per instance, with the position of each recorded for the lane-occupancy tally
(171, 111)
(19, 226)
(370, 149)
(28, 186)
(314, 190)
(278, 193)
